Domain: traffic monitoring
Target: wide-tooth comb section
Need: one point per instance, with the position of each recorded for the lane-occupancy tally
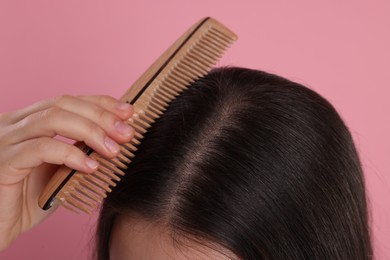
(109, 173)
(188, 59)
(99, 176)
(122, 158)
(166, 96)
(135, 141)
(152, 110)
(158, 103)
(128, 149)
(87, 185)
(110, 165)
(146, 118)
(137, 127)
(72, 204)
(99, 184)
(88, 194)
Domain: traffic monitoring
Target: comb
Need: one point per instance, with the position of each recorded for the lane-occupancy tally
(188, 59)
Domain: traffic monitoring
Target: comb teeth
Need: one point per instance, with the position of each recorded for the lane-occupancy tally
(188, 59)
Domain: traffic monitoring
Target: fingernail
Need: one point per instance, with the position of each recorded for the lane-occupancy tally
(123, 129)
(111, 145)
(123, 106)
(91, 163)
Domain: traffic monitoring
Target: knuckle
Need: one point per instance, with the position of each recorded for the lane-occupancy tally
(62, 99)
(40, 145)
(50, 113)
(105, 100)
(91, 127)
(97, 134)
(101, 115)
(68, 152)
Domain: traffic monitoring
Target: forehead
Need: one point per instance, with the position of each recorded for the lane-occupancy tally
(139, 239)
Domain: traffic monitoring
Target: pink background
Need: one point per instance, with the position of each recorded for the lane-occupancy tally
(338, 48)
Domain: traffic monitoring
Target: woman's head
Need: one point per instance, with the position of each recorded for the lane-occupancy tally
(243, 165)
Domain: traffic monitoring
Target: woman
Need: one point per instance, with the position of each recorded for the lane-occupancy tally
(243, 165)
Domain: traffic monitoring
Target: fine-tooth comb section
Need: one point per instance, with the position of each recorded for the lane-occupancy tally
(188, 59)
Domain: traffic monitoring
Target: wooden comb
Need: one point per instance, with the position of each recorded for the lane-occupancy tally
(189, 58)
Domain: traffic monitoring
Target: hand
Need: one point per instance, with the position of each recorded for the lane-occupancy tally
(29, 154)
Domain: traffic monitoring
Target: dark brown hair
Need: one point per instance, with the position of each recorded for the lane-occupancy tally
(259, 164)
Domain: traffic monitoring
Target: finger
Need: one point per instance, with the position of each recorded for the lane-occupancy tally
(55, 121)
(103, 110)
(34, 152)
(121, 109)
(99, 111)
(93, 107)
